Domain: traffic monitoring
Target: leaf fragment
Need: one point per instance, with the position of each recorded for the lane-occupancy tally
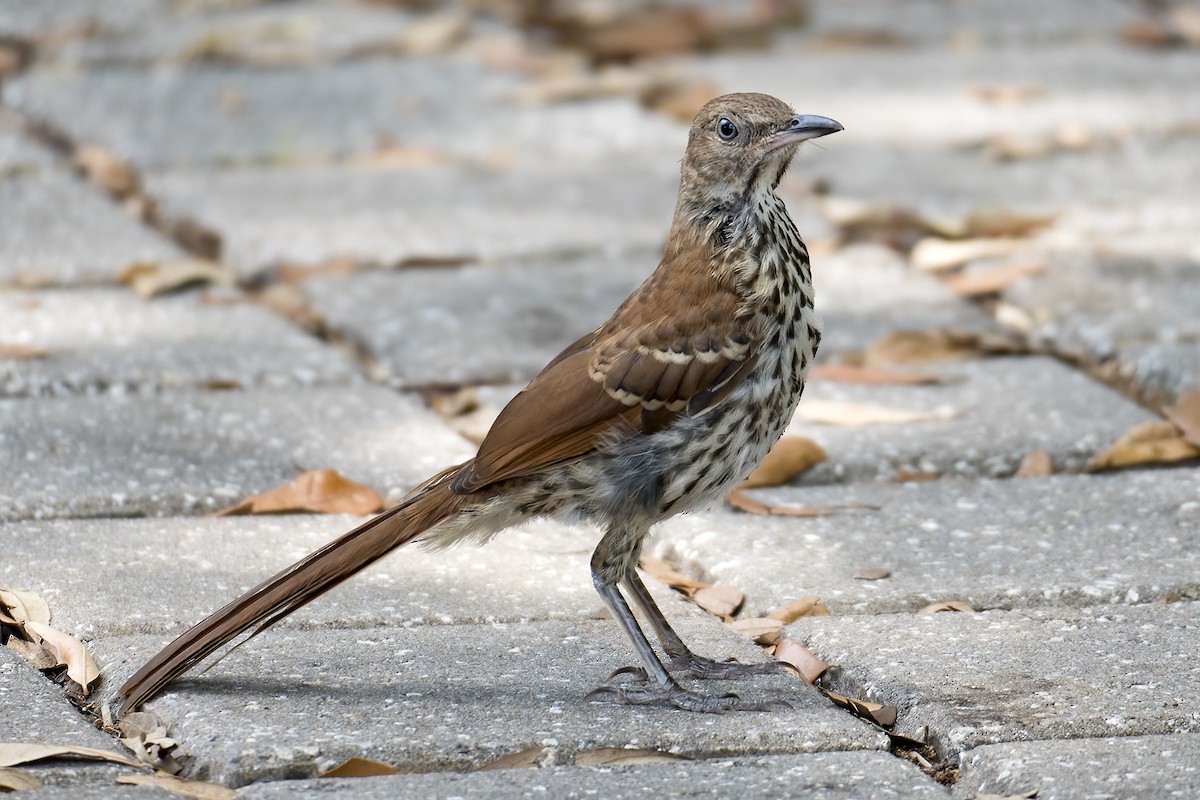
(807, 606)
(877, 376)
(884, 716)
(915, 347)
(197, 790)
(608, 756)
(1035, 464)
(152, 278)
(1185, 414)
(806, 662)
(740, 501)
(359, 768)
(872, 574)
(790, 456)
(322, 491)
(107, 171)
(16, 780)
(23, 606)
(14, 753)
(760, 630)
(837, 412)
(665, 572)
(941, 255)
(992, 281)
(1151, 442)
(522, 759)
(720, 600)
(946, 605)
(68, 651)
(21, 352)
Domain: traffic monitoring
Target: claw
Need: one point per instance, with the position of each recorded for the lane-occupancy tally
(708, 669)
(636, 673)
(674, 695)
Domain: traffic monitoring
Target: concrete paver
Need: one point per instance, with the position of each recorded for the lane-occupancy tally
(112, 341)
(1131, 767)
(1026, 674)
(457, 696)
(18, 151)
(200, 452)
(821, 776)
(1014, 544)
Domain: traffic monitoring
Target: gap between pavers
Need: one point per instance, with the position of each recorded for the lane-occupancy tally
(813, 776)
(112, 341)
(194, 452)
(1067, 540)
(1127, 767)
(453, 697)
(1028, 674)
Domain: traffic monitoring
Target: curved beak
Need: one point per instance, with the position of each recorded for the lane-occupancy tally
(803, 127)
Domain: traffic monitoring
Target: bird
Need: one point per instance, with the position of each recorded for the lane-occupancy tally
(660, 410)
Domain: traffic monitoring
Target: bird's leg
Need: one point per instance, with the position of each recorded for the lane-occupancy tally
(679, 657)
(658, 687)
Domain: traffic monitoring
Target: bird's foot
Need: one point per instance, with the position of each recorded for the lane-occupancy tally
(672, 694)
(707, 669)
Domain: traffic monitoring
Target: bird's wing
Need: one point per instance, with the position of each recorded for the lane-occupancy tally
(622, 379)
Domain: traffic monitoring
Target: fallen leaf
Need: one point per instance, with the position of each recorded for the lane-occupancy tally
(807, 606)
(21, 352)
(15, 753)
(681, 102)
(1005, 94)
(24, 606)
(33, 652)
(69, 652)
(915, 347)
(761, 630)
(456, 403)
(15, 780)
(1037, 464)
(810, 667)
(147, 737)
(837, 412)
(663, 571)
(150, 279)
(322, 491)
(1032, 793)
(877, 376)
(475, 426)
(642, 33)
(295, 271)
(359, 768)
(994, 222)
(522, 759)
(1152, 442)
(720, 601)
(608, 756)
(878, 713)
(106, 170)
(1185, 414)
(895, 226)
(908, 476)
(434, 33)
(992, 281)
(790, 456)
(199, 790)
(289, 301)
(940, 255)
(946, 605)
(740, 501)
(872, 574)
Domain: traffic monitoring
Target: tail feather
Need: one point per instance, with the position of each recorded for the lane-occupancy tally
(287, 591)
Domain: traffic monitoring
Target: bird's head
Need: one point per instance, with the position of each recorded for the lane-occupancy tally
(741, 144)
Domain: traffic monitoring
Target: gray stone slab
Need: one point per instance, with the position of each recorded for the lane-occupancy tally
(34, 710)
(101, 340)
(59, 230)
(108, 577)
(18, 152)
(821, 776)
(998, 410)
(444, 697)
(48, 18)
(1131, 767)
(440, 211)
(1016, 544)
(199, 452)
(1031, 674)
(223, 115)
(1164, 370)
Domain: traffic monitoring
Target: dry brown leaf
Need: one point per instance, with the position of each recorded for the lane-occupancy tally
(681, 102)
(151, 278)
(916, 347)
(642, 33)
(16, 780)
(1152, 442)
(322, 491)
(20, 352)
(1185, 415)
(69, 652)
(808, 606)
(837, 412)
(790, 456)
(15, 753)
(295, 271)
(107, 171)
(1037, 464)
(994, 222)
(872, 574)
(740, 501)
(199, 790)
(475, 426)
(761, 630)
(1005, 94)
(147, 737)
(665, 572)
(359, 768)
(720, 601)
(992, 281)
(24, 606)
(876, 376)
(608, 756)
(434, 33)
(810, 667)
(892, 225)
(941, 255)
(878, 713)
(946, 605)
(454, 404)
(522, 759)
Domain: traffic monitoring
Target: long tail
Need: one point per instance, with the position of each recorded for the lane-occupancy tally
(304, 581)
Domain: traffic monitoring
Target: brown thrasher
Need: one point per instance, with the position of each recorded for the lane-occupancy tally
(660, 410)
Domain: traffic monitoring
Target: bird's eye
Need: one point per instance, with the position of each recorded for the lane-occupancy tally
(726, 130)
